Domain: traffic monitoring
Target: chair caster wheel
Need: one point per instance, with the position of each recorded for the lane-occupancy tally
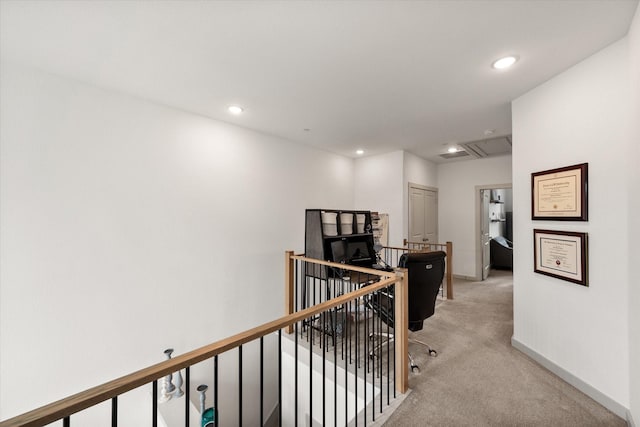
(433, 353)
(415, 368)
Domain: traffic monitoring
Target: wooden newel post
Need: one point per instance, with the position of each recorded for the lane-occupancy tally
(401, 330)
(289, 293)
(449, 270)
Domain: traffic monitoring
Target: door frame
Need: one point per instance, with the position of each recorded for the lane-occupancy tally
(478, 226)
(420, 187)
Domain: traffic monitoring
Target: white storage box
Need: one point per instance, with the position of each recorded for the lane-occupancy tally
(330, 223)
(360, 218)
(346, 223)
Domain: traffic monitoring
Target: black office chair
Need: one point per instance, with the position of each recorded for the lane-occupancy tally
(501, 253)
(426, 272)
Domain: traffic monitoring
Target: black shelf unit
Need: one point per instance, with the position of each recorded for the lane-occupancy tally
(340, 237)
(343, 236)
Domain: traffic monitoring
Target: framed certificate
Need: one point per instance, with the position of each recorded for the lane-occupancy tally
(561, 254)
(560, 194)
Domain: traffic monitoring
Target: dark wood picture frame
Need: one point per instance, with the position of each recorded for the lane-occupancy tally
(563, 255)
(561, 194)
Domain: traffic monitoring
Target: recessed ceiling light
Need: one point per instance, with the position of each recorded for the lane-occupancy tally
(452, 150)
(359, 152)
(505, 62)
(234, 109)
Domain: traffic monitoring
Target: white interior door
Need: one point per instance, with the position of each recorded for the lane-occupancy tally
(485, 236)
(423, 215)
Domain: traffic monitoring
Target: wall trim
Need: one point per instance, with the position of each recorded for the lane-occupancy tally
(587, 389)
(421, 187)
(630, 422)
(461, 277)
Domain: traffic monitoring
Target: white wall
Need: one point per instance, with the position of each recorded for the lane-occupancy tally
(378, 187)
(457, 183)
(581, 115)
(129, 227)
(419, 171)
(634, 224)
(382, 182)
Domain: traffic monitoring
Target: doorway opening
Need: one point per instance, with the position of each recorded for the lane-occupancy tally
(494, 221)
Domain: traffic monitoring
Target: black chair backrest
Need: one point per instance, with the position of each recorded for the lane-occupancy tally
(426, 271)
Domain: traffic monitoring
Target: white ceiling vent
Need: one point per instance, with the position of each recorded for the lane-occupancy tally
(488, 147)
(454, 155)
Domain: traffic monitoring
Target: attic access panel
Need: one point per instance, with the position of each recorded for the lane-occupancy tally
(489, 147)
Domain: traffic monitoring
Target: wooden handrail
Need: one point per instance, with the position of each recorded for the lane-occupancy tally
(371, 271)
(93, 396)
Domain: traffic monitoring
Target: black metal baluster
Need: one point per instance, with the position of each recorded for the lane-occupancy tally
(187, 392)
(326, 295)
(355, 377)
(296, 284)
(295, 378)
(323, 315)
(280, 378)
(216, 409)
(312, 319)
(66, 422)
(366, 336)
(394, 350)
(346, 366)
(366, 361)
(338, 289)
(114, 411)
(345, 331)
(154, 404)
(378, 343)
(395, 323)
(261, 380)
(311, 376)
(353, 326)
(240, 385)
(335, 373)
(388, 341)
(350, 353)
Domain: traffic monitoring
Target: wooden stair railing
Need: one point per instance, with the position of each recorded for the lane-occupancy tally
(68, 406)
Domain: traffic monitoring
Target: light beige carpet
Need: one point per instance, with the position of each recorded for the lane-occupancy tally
(479, 379)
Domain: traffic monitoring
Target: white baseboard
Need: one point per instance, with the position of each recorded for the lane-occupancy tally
(469, 278)
(630, 422)
(587, 389)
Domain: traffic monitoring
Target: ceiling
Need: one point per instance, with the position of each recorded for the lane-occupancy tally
(338, 75)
